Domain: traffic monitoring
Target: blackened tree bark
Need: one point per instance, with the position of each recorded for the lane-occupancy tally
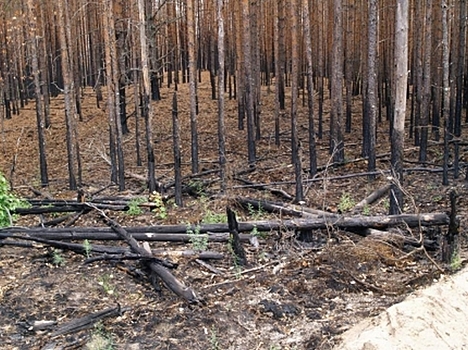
(279, 65)
(460, 67)
(296, 157)
(336, 115)
(221, 79)
(177, 156)
(147, 109)
(249, 83)
(74, 171)
(310, 87)
(445, 88)
(192, 83)
(400, 90)
(40, 110)
(426, 84)
(371, 115)
(113, 98)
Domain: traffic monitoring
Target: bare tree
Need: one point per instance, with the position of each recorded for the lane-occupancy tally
(74, 168)
(146, 88)
(336, 93)
(445, 88)
(113, 97)
(401, 77)
(371, 115)
(249, 83)
(295, 150)
(40, 108)
(221, 127)
(306, 4)
(426, 83)
(192, 83)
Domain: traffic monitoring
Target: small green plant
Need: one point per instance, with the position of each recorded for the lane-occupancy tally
(214, 340)
(256, 214)
(211, 217)
(386, 204)
(346, 203)
(198, 187)
(134, 206)
(105, 283)
(259, 234)
(101, 339)
(87, 247)
(8, 203)
(57, 258)
(199, 241)
(160, 209)
(366, 210)
(455, 261)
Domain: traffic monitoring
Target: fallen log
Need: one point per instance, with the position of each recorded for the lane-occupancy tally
(171, 282)
(66, 208)
(91, 234)
(274, 191)
(400, 240)
(282, 208)
(352, 223)
(377, 194)
(30, 242)
(88, 321)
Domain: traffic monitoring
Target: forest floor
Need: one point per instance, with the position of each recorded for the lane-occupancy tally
(292, 295)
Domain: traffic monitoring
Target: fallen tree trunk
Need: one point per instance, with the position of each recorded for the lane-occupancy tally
(88, 321)
(90, 233)
(400, 240)
(282, 208)
(352, 223)
(171, 282)
(30, 242)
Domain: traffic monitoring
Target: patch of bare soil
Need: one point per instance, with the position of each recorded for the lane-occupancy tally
(292, 295)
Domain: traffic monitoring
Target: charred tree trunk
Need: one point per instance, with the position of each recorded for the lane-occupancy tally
(369, 139)
(40, 110)
(192, 83)
(401, 76)
(295, 149)
(221, 81)
(336, 115)
(146, 89)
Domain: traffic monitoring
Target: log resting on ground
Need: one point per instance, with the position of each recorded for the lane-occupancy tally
(352, 223)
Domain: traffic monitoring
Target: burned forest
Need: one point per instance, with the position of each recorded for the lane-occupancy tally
(226, 174)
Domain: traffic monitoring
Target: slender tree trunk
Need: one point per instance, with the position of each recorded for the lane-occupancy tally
(401, 77)
(249, 83)
(336, 121)
(177, 156)
(460, 67)
(295, 149)
(68, 90)
(146, 89)
(445, 87)
(192, 84)
(221, 78)
(426, 84)
(34, 37)
(372, 85)
(310, 87)
(113, 98)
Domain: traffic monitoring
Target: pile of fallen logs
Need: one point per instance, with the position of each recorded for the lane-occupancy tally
(294, 218)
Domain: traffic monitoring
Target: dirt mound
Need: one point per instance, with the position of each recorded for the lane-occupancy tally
(433, 318)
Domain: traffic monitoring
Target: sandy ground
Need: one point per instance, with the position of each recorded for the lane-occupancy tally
(433, 318)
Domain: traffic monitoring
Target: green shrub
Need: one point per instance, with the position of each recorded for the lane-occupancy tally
(8, 202)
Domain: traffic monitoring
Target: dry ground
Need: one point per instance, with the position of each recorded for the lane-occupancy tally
(293, 294)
